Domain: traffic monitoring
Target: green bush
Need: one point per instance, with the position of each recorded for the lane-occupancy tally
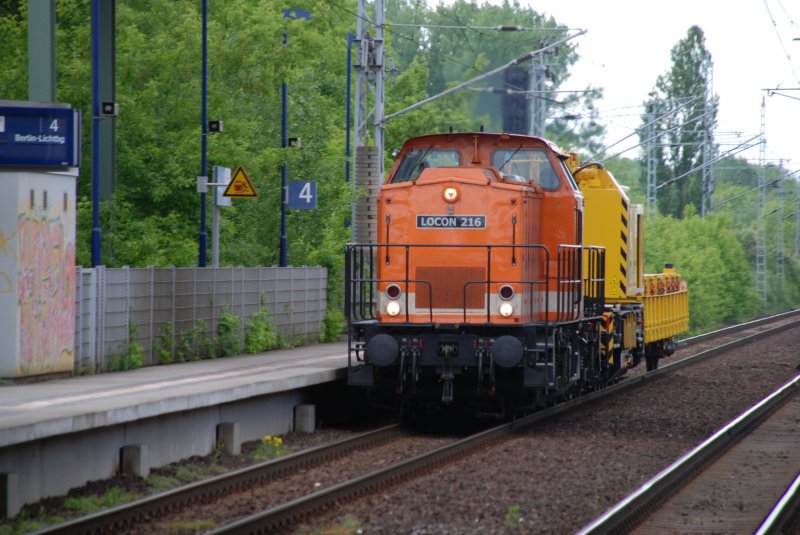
(166, 345)
(332, 325)
(229, 337)
(193, 344)
(260, 331)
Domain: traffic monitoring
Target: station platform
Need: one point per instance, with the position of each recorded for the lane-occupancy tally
(58, 434)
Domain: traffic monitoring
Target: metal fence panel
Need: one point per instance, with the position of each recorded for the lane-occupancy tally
(159, 303)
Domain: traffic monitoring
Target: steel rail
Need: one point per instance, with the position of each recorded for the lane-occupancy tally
(120, 517)
(279, 519)
(116, 519)
(783, 512)
(738, 327)
(626, 514)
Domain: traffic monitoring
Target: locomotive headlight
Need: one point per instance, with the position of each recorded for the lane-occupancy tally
(506, 309)
(393, 308)
(450, 194)
(506, 293)
(393, 291)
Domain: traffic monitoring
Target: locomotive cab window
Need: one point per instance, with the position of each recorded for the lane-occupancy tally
(526, 165)
(417, 160)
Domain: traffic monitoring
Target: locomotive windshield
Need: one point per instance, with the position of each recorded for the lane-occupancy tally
(525, 165)
(418, 159)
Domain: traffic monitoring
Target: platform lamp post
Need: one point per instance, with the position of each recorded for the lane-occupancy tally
(95, 133)
(203, 238)
(294, 14)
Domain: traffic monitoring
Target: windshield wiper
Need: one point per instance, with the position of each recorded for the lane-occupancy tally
(509, 158)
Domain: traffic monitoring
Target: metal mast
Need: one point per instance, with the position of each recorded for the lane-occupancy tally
(779, 251)
(797, 225)
(369, 114)
(761, 224)
(651, 206)
(707, 201)
(369, 75)
(536, 102)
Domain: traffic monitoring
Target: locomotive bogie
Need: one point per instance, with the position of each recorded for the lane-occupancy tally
(519, 365)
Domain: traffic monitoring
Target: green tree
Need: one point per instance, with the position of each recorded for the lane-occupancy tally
(459, 43)
(685, 116)
(708, 255)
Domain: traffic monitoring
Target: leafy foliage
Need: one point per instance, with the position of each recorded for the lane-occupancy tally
(708, 255)
(131, 356)
(165, 347)
(260, 331)
(685, 117)
(332, 325)
(270, 447)
(153, 216)
(229, 334)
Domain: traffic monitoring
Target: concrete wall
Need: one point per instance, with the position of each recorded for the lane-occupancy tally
(34, 470)
(178, 299)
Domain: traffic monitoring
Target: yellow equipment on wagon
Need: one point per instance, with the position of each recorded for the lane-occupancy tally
(644, 312)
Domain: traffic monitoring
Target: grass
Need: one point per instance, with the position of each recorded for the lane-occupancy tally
(513, 520)
(194, 472)
(193, 526)
(161, 483)
(269, 448)
(25, 522)
(348, 526)
(91, 504)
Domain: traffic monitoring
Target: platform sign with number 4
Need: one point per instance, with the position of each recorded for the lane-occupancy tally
(302, 195)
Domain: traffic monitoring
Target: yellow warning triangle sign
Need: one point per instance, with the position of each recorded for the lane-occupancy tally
(240, 185)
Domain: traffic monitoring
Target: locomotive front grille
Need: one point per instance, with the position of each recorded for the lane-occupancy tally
(447, 286)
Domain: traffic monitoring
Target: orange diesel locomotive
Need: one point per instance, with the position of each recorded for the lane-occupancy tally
(481, 289)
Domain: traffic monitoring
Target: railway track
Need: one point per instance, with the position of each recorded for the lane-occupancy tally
(743, 479)
(121, 518)
(277, 519)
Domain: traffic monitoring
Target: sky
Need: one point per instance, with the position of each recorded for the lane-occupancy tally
(627, 46)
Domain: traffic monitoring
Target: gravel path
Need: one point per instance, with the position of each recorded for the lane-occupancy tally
(555, 478)
(562, 474)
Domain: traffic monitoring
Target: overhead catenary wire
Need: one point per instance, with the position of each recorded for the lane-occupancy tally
(778, 34)
(718, 158)
(638, 130)
(770, 183)
(521, 59)
(658, 135)
(499, 28)
(388, 28)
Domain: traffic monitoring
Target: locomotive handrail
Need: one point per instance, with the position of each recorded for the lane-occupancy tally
(572, 287)
(361, 287)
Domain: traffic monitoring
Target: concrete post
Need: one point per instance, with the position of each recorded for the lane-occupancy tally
(10, 502)
(135, 460)
(305, 418)
(229, 437)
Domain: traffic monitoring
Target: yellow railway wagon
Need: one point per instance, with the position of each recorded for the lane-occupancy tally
(666, 305)
(643, 312)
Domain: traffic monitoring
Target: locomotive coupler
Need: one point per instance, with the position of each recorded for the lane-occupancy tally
(482, 353)
(401, 371)
(414, 357)
(448, 351)
(447, 388)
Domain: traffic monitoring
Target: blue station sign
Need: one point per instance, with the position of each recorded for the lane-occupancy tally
(40, 136)
(302, 195)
